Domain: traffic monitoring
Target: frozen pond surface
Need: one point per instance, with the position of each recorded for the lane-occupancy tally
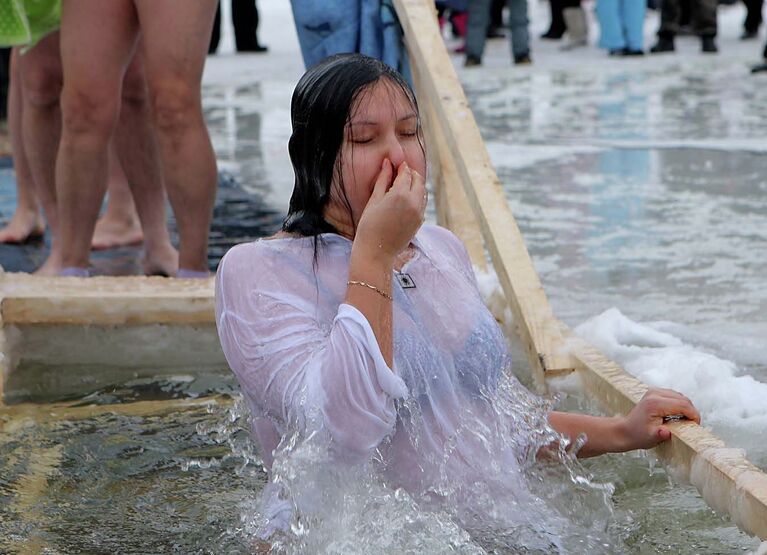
(639, 184)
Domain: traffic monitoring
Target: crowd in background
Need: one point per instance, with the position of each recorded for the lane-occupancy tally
(620, 22)
(117, 109)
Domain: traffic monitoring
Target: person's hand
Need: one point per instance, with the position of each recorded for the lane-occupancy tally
(644, 428)
(394, 212)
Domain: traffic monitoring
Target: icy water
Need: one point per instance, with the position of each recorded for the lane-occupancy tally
(638, 184)
(660, 212)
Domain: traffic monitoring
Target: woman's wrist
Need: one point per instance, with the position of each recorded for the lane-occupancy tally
(621, 431)
(370, 259)
(375, 271)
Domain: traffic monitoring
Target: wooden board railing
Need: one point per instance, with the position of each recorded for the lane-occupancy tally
(26, 299)
(725, 479)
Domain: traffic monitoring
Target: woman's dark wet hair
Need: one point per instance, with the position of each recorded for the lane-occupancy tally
(321, 108)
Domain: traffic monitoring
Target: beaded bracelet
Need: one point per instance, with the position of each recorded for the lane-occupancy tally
(373, 287)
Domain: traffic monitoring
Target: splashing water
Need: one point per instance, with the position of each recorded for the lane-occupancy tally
(509, 499)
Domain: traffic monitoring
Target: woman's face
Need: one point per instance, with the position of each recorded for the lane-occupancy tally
(383, 124)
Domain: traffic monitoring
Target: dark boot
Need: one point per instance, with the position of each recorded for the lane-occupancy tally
(665, 44)
(523, 59)
(708, 45)
(557, 28)
(472, 61)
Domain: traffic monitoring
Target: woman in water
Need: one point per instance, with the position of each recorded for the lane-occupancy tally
(360, 339)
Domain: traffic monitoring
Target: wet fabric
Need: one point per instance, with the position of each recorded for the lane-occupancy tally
(332, 27)
(447, 424)
(24, 22)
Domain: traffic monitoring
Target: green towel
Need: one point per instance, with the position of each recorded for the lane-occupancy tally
(24, 22)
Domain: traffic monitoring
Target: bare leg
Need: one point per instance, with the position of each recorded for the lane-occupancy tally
(137, 146)
(119, 226)
(97, 42)
(26, 222)
(175, 36)
(41, 79)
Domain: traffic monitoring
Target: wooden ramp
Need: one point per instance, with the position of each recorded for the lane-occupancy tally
(471, 202)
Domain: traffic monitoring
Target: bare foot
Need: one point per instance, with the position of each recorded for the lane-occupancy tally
(50, 268)
(161, 261)
(24, 226)
(112, 232)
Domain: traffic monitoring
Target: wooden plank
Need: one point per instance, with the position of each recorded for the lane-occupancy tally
(453, 209)
(725, 479)
(517, 276)
(13, 416)
(27, 299)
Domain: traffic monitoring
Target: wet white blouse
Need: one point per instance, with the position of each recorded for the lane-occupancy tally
(443, 416)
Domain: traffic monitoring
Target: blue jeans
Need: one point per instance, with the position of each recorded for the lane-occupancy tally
(479, 19)
(621, 24)
(366, 26)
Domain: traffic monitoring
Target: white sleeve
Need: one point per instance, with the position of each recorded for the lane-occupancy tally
(293, 369)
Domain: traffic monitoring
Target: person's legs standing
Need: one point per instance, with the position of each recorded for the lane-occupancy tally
(557, 27)
(41, 81)
(669, 18)
(669, 26)
(245, 20)
(97, 41)
(136, 145)
(476, 32)
(632, 15)
(520, 32)
(753, 18)
(175, 36)
(496, 17)
(119, 225)
(26, 222)
(610, 25)
(704, 23)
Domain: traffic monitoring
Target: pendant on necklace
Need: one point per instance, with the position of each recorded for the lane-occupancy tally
(405, 281)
